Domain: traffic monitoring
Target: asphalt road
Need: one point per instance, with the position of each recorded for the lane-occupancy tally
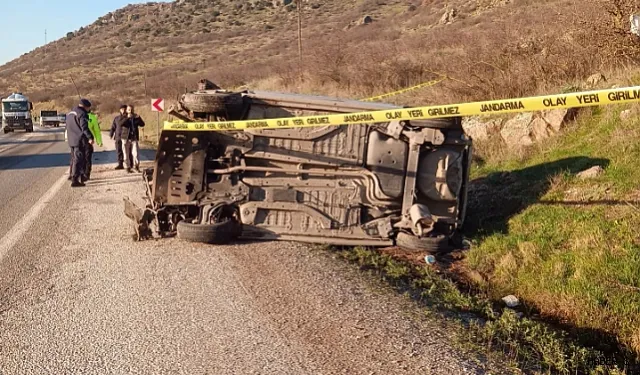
(79, 296)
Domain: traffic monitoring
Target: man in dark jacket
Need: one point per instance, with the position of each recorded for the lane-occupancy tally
(116, 134)
(131, 125)
(79, 137)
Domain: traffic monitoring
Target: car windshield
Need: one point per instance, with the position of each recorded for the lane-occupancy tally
(15, 106)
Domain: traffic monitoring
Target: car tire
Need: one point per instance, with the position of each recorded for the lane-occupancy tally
(211, 103)
(435, 245)
(6, 130)
(218, 233)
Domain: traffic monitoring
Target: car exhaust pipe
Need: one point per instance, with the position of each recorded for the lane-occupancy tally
(421, 219)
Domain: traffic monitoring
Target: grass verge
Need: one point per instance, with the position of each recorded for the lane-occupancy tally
(567, 247)
(529, 345)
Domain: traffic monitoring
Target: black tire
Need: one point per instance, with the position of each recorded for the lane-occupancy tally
(435, 245)
(211, 103)
(6, 130)
(218, 233)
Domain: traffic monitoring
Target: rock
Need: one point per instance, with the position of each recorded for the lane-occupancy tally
(366, 20)
(594, 80)
(517, 131)
(630, 114)
(626, 115)
(540, 130)
(592, 172)
(448, 17)
(478, 130)
(558, 118)
(635, 24)
(511, 301)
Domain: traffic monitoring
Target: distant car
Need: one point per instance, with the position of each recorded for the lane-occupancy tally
(380, 184)
(49, 118)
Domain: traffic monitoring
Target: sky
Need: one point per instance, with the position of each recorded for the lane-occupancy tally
(25, 21)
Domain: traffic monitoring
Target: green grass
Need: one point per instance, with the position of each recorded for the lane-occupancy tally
(526, 344)
(568, 247)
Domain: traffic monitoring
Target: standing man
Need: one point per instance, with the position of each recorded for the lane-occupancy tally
(116, 134)
(79, 138)
(94, 128)
(130, 138)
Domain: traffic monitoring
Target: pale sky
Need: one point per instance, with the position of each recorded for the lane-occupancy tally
(25, 21)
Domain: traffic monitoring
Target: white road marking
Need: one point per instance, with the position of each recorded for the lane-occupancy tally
(20, 228)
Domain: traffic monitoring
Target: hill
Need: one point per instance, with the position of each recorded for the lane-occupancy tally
(490, 48)
(567, 247)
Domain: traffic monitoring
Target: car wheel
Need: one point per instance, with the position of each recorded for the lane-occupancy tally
(6, 130)
(436, 245)
(210, 103)
(218, 233)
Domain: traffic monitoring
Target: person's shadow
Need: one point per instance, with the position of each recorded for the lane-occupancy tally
(496, 198)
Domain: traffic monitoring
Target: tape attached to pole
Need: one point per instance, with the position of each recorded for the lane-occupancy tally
(530, 104)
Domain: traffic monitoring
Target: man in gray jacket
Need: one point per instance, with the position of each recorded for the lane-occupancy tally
(79, 137)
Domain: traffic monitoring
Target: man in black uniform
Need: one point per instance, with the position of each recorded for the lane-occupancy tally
(79, 137)
(116, 134)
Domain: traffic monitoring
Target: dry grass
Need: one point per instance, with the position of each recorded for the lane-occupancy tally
(570, 259)
(491, 50)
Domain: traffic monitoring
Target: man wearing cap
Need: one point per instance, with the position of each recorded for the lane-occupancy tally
(79, 137)
(116, 134)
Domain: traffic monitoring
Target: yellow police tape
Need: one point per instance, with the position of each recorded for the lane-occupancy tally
(394, 93)
(573, 100)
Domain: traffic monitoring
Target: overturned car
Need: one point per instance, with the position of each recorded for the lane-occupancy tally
(396, 183)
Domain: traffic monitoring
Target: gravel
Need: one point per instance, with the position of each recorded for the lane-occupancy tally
(79, 296)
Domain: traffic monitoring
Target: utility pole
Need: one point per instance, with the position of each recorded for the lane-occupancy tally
(299, 9)
(145, 83)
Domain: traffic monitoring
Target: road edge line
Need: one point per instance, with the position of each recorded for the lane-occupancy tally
(20, 228)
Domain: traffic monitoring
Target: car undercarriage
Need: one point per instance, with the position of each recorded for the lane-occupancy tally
(396, 183)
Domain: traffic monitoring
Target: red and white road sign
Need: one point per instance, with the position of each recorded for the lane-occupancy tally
(157, 105)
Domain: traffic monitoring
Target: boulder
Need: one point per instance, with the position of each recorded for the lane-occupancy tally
(448, 17)
(475, 128)
(594, 80)
(517, 131)
(511, 301)
(626, 115)
(558, 118)
(635, 24)
(540, 130)
(592, 172)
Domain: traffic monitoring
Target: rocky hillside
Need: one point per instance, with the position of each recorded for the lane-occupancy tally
(354, 48)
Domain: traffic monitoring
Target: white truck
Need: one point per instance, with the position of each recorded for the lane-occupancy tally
(49, 118)
(16, 113)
